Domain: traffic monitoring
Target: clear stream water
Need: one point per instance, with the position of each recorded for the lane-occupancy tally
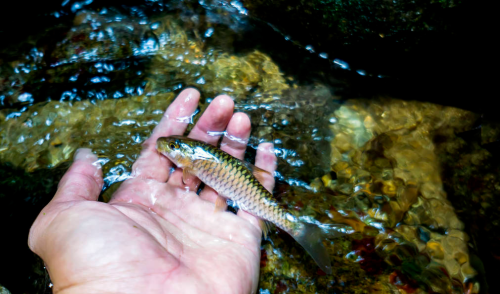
(407, 182)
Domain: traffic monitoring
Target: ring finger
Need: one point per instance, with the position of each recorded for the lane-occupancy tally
(234, 143)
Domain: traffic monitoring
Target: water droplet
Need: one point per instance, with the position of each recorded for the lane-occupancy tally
(95, 80)
(239, 6)
(137, 138)
(342, 64)
(201, 81)
(13, 115)
(149, 45)
(209, 32)
(126, 122)
(77, 5)
(155, 25)
(25, 97)
(214, 133)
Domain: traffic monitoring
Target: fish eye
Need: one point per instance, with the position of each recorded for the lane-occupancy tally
(172, 145)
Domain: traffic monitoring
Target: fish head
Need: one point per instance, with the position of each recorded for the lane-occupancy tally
(180, 150)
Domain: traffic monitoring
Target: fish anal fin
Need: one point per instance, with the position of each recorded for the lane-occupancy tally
(220, 204)
(266, 227)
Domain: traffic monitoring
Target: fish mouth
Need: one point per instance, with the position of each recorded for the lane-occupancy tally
(161, 146)
(168, 156)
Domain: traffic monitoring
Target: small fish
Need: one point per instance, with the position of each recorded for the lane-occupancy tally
(239, 181)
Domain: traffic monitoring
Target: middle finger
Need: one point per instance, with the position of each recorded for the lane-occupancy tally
(234, 143)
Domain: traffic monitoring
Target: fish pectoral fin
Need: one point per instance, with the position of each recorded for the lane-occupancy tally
(266, 227)
(258, 173)
(187, 176)
(220, 204)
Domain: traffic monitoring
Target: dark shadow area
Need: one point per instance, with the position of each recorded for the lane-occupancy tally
(442, 56)
(428, 51)
(471, 177)
(22, 197)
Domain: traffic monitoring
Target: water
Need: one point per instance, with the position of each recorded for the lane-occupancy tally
(381, 170)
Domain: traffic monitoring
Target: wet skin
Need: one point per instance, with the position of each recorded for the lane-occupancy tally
(156, 235)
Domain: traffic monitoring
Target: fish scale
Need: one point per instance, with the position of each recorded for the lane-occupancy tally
(236, 180)
(255, 199)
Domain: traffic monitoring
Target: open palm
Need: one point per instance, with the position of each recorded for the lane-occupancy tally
(156, 235)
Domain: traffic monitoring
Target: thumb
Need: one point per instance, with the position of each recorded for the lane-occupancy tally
(82, 181)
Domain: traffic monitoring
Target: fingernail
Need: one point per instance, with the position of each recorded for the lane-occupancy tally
(84, 154)
(267, 147)
(188, 96)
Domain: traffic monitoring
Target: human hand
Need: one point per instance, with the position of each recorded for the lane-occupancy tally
(155, 235)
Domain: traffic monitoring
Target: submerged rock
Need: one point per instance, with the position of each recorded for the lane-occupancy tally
(4, 290)
(48, 134)
(384, 151)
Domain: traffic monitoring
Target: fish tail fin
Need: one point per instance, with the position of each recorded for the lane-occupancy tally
(311, 238)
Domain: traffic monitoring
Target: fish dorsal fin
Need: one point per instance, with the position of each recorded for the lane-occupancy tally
(258, 173)
(266, 227)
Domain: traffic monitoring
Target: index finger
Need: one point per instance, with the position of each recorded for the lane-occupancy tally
(151, 164)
